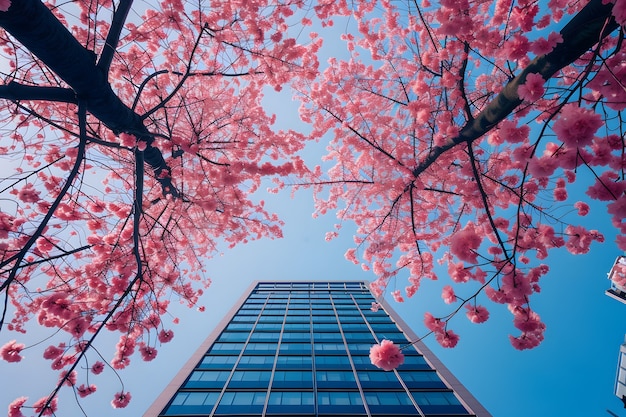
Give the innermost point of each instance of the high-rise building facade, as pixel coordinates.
(302, 349)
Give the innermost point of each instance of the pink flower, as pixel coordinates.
(28, 194)
(447, 339)
(128, 140)
(532, 89)
(477, 314)
(544, 46)
(77, 327)
(60, 362)
(43, 409)
(165, 336)
(4, 5)
(15, 408)
(526, 320)
(69, 379)
(465, 243)
(411, 290)
(386, 355)
(148, 353)
(375, 306)
(121, 399)
(560, 194)
(397, 296)
(577, 126)
(433, 324)
(10, 352)
(583, 208)
(85, 390)
(97, 368)
(448, 295)
(52, 352)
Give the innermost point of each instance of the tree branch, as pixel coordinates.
(15, 91)
(113, 37)
(592, 24)
(35, 27)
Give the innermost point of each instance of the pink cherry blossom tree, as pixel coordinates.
(458, 131)
(133, 140)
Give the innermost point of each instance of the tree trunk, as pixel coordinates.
(35, 27)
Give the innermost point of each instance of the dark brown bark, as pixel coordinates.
(32, 24)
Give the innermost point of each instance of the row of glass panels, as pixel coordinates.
(396, 402)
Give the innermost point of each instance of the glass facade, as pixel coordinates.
(301, 349)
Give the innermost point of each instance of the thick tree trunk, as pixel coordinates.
(35, 27)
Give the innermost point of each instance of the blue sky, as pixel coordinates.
(571, 373)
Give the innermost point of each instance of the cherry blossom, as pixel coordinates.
(148, 353)
(386, 355)
(433, 324)
(121, 400)
(465, 243)
(97, 368)
(447, 338)
(165, 336)
(448, 295)
(532, 89)
(85, 390)
(10, 351)
(46, 407)
(15, 408)
(477, 314)
(4, 5)
(576, 126)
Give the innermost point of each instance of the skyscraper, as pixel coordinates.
(301, 349)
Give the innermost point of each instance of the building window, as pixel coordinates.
(327, 337)
(269, 326)
(334, 376)
(330, 361)
(260, 347)
(256, 360)
(360, 347)
(218, 360)
(192, 403)
(338, 398)
(239, 326)
(377, 376)
(251, 376)
(233, 337)
(209, 376)
(435, 398)
(263, 336)
(286, 376)
(332, 347)
(243, 398)
(226, 347)
(297, 326)
(303, 336)
(289, 361)
(388, 398)
(354, 336)
(291, 398)
(423, 376)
